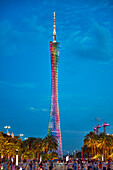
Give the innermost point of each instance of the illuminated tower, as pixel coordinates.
(54, 121)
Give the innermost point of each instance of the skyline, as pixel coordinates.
(85, 83)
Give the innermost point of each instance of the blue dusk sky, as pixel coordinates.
(85, 76)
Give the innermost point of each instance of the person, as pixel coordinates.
(5, 165)
(34, 164)
(90, 165)
(100, 165)
(40, 167)
(51, 166)
(75, 165)
(24, 165)
(108, 166)
(46, 165)
(82, 165)
(9, 165)
(84, 168)
(1, 165)
(30, 165)
(104, 165)
(13, 167)
(95, 166)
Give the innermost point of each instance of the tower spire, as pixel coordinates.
(54, 30)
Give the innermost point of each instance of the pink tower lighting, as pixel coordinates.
(98, 126)
(104, 125)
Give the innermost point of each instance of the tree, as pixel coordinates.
(98, 144)
(37, 146)
(104, 143)
(50, 143)
(28, 150)
(8, 145)
(29, 147)
(91, 142)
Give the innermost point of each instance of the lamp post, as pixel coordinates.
(67, 157)
(25, 138)
(7, 127)
(21, 135)
(16, 157)
(21, 139)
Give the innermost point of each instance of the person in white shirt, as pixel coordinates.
(104, 165)
(46, 165)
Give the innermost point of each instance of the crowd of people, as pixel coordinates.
(26, 165)
(7, 165)
(51, 165)
(90, 165)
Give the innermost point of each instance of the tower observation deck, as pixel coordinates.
(54, 121)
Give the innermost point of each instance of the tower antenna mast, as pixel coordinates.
(54, 30)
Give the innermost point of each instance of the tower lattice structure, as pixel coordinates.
(54, 121)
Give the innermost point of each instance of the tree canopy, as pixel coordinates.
(101, 144)
(29, 148)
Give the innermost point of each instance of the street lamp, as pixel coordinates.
(25, 138)
(21, 135)
(67, 157)
(16, 157)
(7, 127)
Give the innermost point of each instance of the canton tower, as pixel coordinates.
(54, 121)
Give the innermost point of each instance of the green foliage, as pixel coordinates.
(98, 156)
(50, 143)
(52, 155)
(111, 156)
(8, 145)
(38, 146)
(29, 148)
(98, 145)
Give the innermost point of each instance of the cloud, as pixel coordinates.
(98, 119)
(44, 110)
(34, 109)
(17, 85)
(32, 23)
(14, 41)
(95, 44)
(7, 47)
